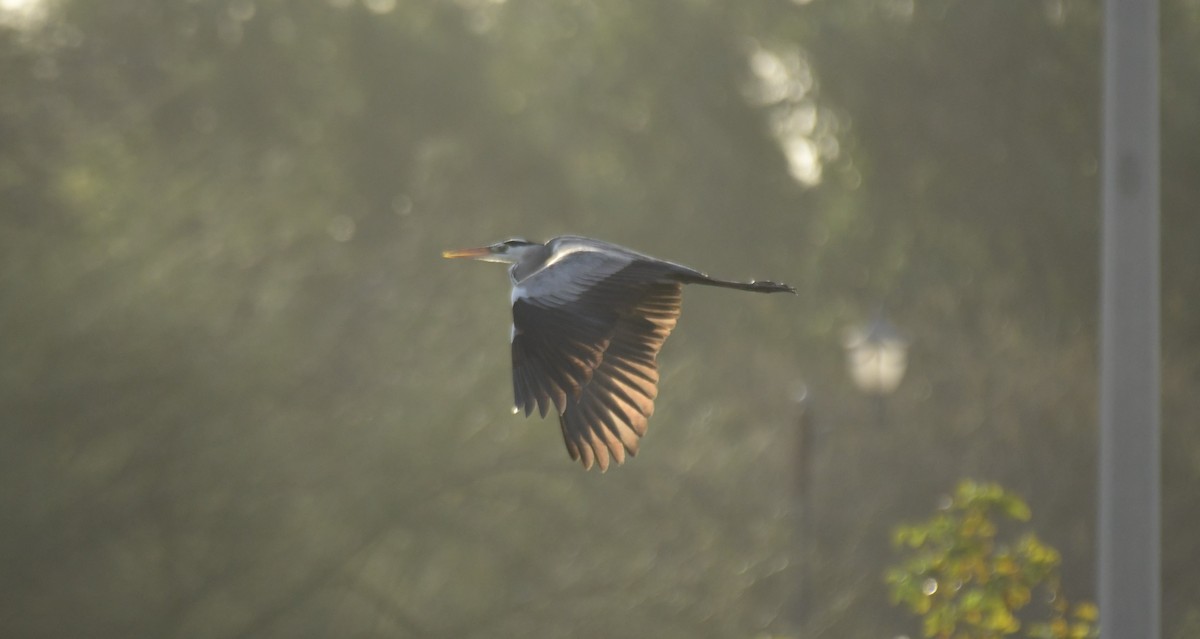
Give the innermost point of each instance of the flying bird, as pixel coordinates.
(589, 318)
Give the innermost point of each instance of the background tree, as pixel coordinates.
(965, 575)
(242, 396)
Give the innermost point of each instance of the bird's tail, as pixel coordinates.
(754, 286)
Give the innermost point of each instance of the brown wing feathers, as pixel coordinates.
(594, 359)
(613, 409)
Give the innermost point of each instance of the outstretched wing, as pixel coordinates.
(610, 415)
(586, 333)
(554, 352)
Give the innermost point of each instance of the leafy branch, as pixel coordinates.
(968, 581)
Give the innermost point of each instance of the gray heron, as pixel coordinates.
(589, 318)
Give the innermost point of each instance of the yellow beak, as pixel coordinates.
(470, 252)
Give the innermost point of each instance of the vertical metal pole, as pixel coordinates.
(1130, 502)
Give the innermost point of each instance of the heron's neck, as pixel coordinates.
(534, 258)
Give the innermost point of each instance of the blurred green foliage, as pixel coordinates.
(241, 395)
(968, 578)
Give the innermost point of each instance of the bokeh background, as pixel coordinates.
(242, 396)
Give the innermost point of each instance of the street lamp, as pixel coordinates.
(877, 355)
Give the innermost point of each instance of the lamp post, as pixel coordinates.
(805, 441)
(878, 356)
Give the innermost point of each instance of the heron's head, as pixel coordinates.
(509, 251)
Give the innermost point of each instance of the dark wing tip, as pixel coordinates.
(767, 286)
